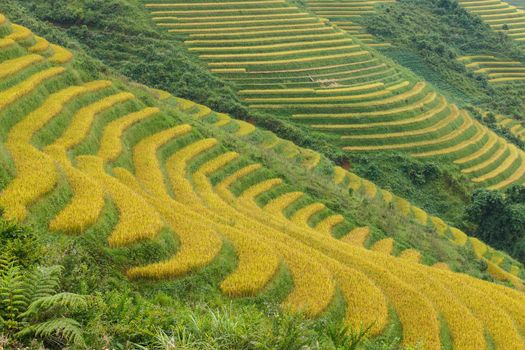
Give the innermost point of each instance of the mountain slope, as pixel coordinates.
(88, 148)
(308, 72)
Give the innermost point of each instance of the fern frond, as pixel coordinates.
(62, 328)
(63, 301)
(44, 282)
(13, 291)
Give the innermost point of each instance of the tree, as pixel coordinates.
(499, 219)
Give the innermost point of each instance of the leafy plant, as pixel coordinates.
(29, 303)
(344, 337)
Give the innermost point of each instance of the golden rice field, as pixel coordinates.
(344, 14)
(345, 180)
(500, 16)
(293, 64)
(496, 70)
(74, 133)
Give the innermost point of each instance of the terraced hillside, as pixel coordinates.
(83, 148)
(500, 16)
(497, 70)
(290, 63)
(344, 15)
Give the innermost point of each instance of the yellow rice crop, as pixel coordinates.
(301, 216)
(277, 205)
(196, 251)
(433, 128)
(460, 237)
(183, 104)
(212, 4)
(387, 196)
(350, 88)
(402, 205)
(418, 88)
(24, 130)
(288, 61)
(370, 189)
(2, 19)
(35, 176)
(354, 181)
(14, 93)
(320, 291)
(6, 43)
(19, 33)
(339, 175)
(87, 202)
(320, 99)
(61, 55)
(440, 226)
(492, 139)
(513, 156)
(429, 98)
(477, 137)
(479, 247)
(497, 321)
(420, 215)
(327, 225)
(222, 120)
(137, 219)
(257, 260)
(500, 151)
(511, 179)
(411, 255)
(83, 119)
(244, 128)
(41, 45)
(441, 266)
(228, 70)
(176, 166)
(160, 94)
(357, 236)
(36, 172)
(467, 124)
(264, 39)
(111, 142)
(312, 158)
(267, 47)
(147, 164)
(277, 53)
(10, 67)
(277, 91)
(259, 30)
(384, 246)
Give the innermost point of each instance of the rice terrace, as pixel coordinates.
(262, 174)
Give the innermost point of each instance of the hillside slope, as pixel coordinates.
(79, 154)
(290, 63)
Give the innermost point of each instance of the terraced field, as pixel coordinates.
(110, 151)
(497, 70)
(290, 63)
(345, 13)
(500, 16)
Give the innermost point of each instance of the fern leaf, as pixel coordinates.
(63, 301)
(62, 328)
(44, 282)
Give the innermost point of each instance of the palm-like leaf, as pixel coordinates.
(65, 329)
(63, 301)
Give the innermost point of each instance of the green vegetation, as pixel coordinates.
(498, 219)
(121, 37)
(438, 33)
(152, 222)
